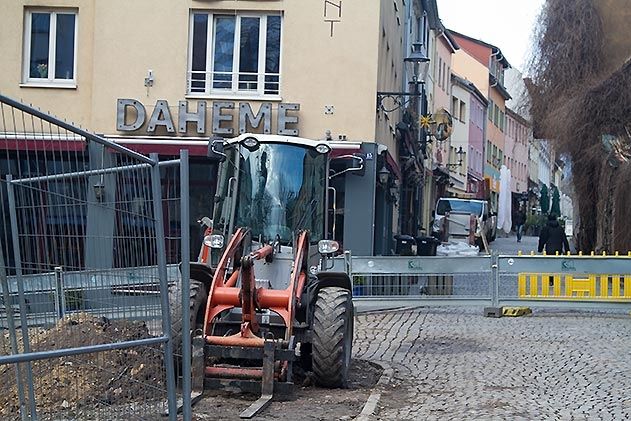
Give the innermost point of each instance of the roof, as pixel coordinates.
(449, 39)
(494, 83)
(436, 24)
(470, 86)
(517, 117)
(494, 49)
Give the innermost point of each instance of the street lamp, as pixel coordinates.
(416, 68)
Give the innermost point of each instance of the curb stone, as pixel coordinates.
(371, 404)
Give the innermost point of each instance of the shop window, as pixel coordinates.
(234, 54)
(50, 42)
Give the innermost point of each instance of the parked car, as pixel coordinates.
(480, 208)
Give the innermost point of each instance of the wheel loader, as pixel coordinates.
(264, 298)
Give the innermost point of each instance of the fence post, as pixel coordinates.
(495, 269)
(164, 286)
(60, 296)
(18, 276)
(6, 297)
(494, 310)
(186, 286)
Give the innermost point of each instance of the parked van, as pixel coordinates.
(479, 208)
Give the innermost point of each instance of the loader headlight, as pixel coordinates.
(214, 241)
(251, 143)
(328, 246)
(323, 148)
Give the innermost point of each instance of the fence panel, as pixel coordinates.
(83, 273)
(442, 280)
(574, 281)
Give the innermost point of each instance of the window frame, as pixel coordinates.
(234, 92)
(50, 81)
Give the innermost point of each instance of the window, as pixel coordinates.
(422, 33)
(454, 106)
(490, 111)
(50, 47)
(234, 54)
(463, 111)
(448, 84)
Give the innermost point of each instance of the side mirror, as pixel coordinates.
(215, 150)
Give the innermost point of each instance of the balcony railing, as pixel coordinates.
(232, 83)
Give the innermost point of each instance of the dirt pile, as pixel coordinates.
(88, 380)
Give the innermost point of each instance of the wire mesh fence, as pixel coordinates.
(87, 250)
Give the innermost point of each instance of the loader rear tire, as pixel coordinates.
(332, 336)
(197, 306)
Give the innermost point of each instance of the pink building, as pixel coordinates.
(516, 150)
(477, 106)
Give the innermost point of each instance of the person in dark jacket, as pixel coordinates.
(520, 220)
(553, 237)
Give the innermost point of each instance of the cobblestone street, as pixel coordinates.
(457, 364)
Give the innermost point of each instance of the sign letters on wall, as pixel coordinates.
(131, 116)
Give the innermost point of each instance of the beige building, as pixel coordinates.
(156, 75)
(111, 48)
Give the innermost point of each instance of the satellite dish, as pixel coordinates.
(443, 125)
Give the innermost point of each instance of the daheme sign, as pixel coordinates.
(131, 115)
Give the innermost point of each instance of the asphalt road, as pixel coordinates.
(509, 245)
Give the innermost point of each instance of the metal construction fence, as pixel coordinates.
(85, 268)
(576, 282)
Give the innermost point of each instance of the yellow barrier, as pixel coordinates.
(603, 287)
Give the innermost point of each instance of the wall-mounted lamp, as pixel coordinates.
(460, 154)
(384, 175)
(416, 68)
(394, 191)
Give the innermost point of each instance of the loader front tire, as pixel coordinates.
(197, 306)
(332, 336)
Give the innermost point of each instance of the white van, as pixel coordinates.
(456, 206)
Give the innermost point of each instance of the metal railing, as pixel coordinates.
(84, 279)
(207, 83)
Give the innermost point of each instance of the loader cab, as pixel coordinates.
(274, 185)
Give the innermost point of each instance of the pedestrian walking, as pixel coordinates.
(520, 220)
(553, 238)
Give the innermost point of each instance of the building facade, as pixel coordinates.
(516, 150)
(493, 60)
(475, 104)
(198, 69)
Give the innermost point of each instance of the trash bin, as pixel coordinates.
(404, 245)
(426, 246)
